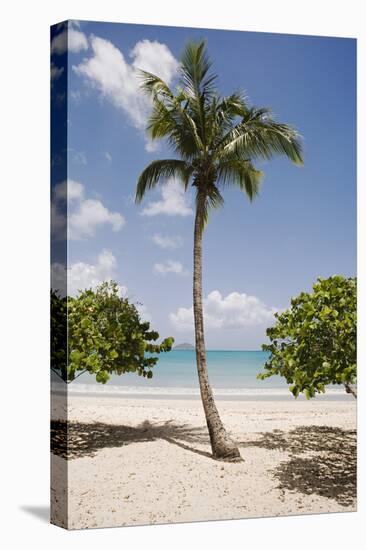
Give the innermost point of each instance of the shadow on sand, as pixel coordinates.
(321, 459)
(327, 467)
(76, 440)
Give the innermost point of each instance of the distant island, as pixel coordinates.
(184, 346)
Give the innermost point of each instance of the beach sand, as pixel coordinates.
(147, 461)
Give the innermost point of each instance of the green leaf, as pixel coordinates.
(105, 335)
(313, 343)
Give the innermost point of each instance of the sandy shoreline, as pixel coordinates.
(146, 461)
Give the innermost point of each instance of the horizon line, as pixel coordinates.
(221, 349)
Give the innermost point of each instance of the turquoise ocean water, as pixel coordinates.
(233, 375)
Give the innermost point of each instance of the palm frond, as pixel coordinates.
(212, 199)
(223, 113)
(240, 173)
(194, 69)
(216, 138)
(168, 117)
(258, 135)
(159, 171)
(198, 84)
(173, 122)
(153, 85)
(234, 105)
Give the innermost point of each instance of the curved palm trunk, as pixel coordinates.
(222, 446)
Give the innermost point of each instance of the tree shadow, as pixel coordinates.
(76, 439)
(329, 471)
(322, 459)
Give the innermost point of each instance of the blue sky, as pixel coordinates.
(256, 255)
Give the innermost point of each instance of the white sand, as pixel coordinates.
(137, 461)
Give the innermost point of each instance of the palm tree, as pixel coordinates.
(215, 141)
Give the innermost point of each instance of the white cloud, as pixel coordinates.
(77, 41)
(117, 80)
(233, 311)
(58, 222)
(56, 72)
(175, 201)
(155, 58)
(71, 39)
(85, 216)
(169, 266)
(108, 72)
(70, 190)
(166, 241)
(108, 156)
(81, 275)
(89, 215)
(59, 43)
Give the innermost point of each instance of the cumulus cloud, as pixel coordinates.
(70, 190)
(81, 275)
(108, 71)
(56, 72)
(89, 215)
(175, 201)
(169, 266)
(58, 222)
(77, 41)
(166, 241)
(85, 215)
(70, 38)
(155, 58)
(232, 311)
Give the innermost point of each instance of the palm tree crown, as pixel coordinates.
(216, 139)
